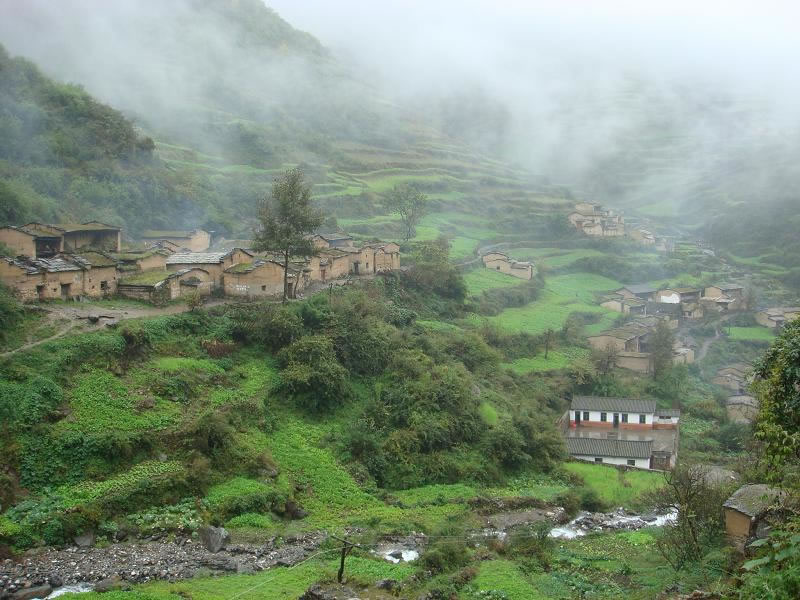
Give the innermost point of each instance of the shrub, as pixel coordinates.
(570, 501)
(445, 556)
(505, 445)
(312, 375)
(27, 404)
(266, 325)
(590, 500)
(239, 496)
(10, 311)
(137, 340)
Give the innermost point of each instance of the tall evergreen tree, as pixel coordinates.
(286, 219)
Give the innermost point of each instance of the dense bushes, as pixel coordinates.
(312, 375)
(23, 405)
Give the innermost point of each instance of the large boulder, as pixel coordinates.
(85, 541)
(40, 591)
(115, 582)
(214, 539)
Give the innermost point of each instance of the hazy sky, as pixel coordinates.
(753, 43)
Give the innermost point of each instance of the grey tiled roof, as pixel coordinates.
(668, 412)
(641, 288)
(622, 405)
(587, 446)
(753, 500)
(199, 258)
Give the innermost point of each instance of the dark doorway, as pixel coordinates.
(577, 417)
(355, 268)
(616, 419)
(290, 290)
(65, 291)
(40, 291)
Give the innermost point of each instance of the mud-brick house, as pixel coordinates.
(263, 277)
(631, 337)
(497, 261)
(594, 220)
(337, 239)
(214, 263)
(665, 243)
(626, 306)
(621, 431)
(63, 276)
(644, 292)
(142, 260)
(734, 377)
(678, 295)
(747, 513)
(741, 408)
(38, 240)
(385, 256)
(331, 263)
(195, 240)
(723, 297)
(777, 317)
(161, 286)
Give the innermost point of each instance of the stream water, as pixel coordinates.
(619, 520)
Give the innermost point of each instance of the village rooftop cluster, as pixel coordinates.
(69, 261)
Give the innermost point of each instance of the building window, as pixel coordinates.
(498, 268)
(103, 285)
(642, 419)
(603, 417)
(631, 462)
(624, 417)
(598, 459)
(586, 415)
(263, 288)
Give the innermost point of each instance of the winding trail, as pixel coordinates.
(63, 331)
(701, 354)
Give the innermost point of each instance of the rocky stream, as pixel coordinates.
(49, 572)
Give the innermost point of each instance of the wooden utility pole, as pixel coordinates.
(347, 548)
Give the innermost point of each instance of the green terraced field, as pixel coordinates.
(755, 333)
(613, 490)
(481, 279)
(556, 359)
(563, 295)
(552, 257)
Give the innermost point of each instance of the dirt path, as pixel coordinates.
(701, 354)
(63, 331)
(80, 315)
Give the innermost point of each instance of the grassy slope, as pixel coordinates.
(563, 295)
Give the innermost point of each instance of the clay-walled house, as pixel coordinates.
(196, 240)
(775, 318)
(262, 277)
(142, 260)
(38, 240)
(497, 261)
(214, 263)
(63, 276)
(595, 220)
(747, 513)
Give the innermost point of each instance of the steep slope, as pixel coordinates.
(65, 156)
(232, 94)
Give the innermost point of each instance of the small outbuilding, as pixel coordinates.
(745, 511)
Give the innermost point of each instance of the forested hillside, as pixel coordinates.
(67, 157)
(249, 96)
